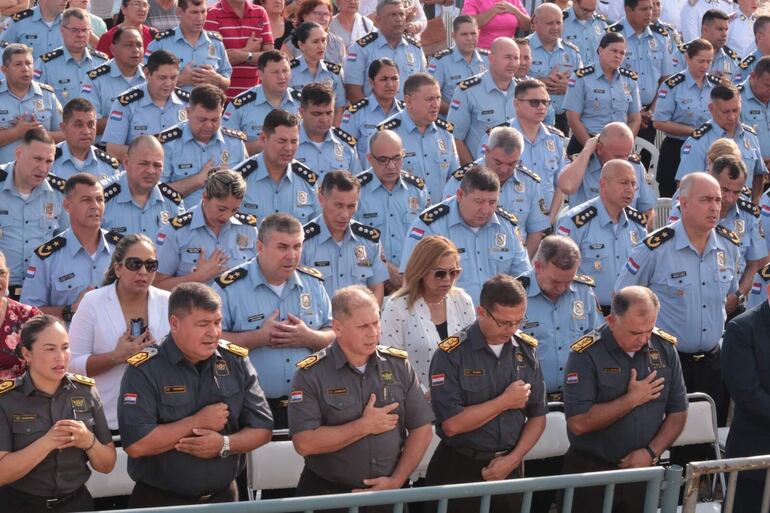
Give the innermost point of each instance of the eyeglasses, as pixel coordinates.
(76, 31)
(441, 274)
(535, 102)
(384, 161)
(134, 264)
(503, 324)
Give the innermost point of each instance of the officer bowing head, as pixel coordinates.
(501, 309)
(556, 264)
(478, 196)
(616, 141)
(195, 319)
(632, 318)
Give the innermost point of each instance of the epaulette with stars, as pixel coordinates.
(659, 29)
(163, 34)
(107, 158)
(731, 53)
(46, 87)
(659, 237)
(675, 80)
(26, 13)
(181, 221)
(98, 72)
(83, 380)
(333, 67)
(634, 158)
(564, 14)
(504, 124)
(446, 125)
(213, 34)
(244, 98)
(521, 168)
(628, 73)
(442, 53)
(434, 213)
(227, 278)
(508, 216)
(53, 54)
(311, 229)
(716, 80)
(247, 219)
(247, 167)
(3, 173)
(749, 207)
(311, 271)
(99, 54)
(360, 104)
(636, 216)
(237, 134)
(469, 82)
(524, 280)
(311, 360)
(584, 342)
(728, 234)
(668, 337)
(764, 272)
(345, 136)
(749, 128)
(582, 218)
(615, 27)
(526, 338)
(412, 40)
(683, 47)
(304, 172)
(295, 93)
(8, 385)
(47, 249)
(170, 134)
(113, 237)
(582, 72)
(413, 180)
(570, 44)
(367, 232)
(459, 173)
(56, 182)
(701, 130)
(364, 178)
(130, 96)
(584, 279)
(748, 61)
(182, 95)
(169, 192)
(368, 38)
(137, 359)
(449, 344)
(58, 153)
(555, 130)
(600, 17)
(111, 191)
(389, 124)
(293, 63)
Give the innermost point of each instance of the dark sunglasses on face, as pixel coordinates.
(134, 264)
(535, 103)
(440, 274)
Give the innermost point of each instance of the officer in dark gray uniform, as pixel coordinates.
(488, 394)
(190, 409)
(624, 398)
(356, 386)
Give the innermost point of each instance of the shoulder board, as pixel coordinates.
(111, 191)
(731, 53)
(675, 80)
(142, 356)
(368, 38)
(244, 98)
(130, 96)
(311, 229)
(311, 360)
(99, 54)
(668, 337)
(728, 234)
(582, 218)
(49, 248)
(716, 81)
(636, 216)
(749, 128)
(293, 63)
(228, 278)
(163, 34)
(527, 171)
(659, 29)
(459, 173)
(107, 158)
(628, 73)
(683, 47)
(213, 34)
(345, 136)
(434, 213)
(171, 134)
(449, 344)
(701, 130)
(311, 271)
(46, 87)
(503, 124)
(234, 348)
(393, 351)
(764, 272)
(304, 172)
(247, 219)
(83, 380)
(635, 158)
(56, 182)
(748, 61)
(527, 339)
(508, 216)
(400, 103)
(616, 27)
(333, 67)
(585, 342)
(7, 385)
(234, 133)
(182, 95)
(295, 93)
(360, 104)
(412, 41)
(659, 237)
(585, 71)
(554, 130)
(446, 125)
(469, 82)
(570, 44)
(365, 177)
(180, 221)
(745, 190)
(113, 237)
(3, 174)
(600, 17)
(442, 53)
(749, 207)
(390, 124)
(584, 279)
(413, 180)
(26, 13)
(524, 280)
(49, 56)
(564, 14)
(169, 192)
(58, 153)
(365, 231)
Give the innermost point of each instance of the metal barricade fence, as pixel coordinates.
(732, 466)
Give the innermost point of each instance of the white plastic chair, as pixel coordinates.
(554, 441)
(644, 145)
(114, 484)
(662, 210)
(422, 467)
(273, 466)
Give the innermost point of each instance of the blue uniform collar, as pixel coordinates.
(9, 186)
(376, 183)
(454, 217)
(534, 290)
(477, 340)
(202, 40)
(286, 99)
(262, 173)
(74, 246)
(147, 99)
(382, 41)
(534, 42)
(125, 192)
(409, 125)
(258, 279)
(66, 154)
(325, 234)
(542, 132)
(374, 106)
(187, 135)
(115, 71)
(328, 137)
(489, 84)
(37, 15)
(34, 89)
(748, 93)
(681, 240)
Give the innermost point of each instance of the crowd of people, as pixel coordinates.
(219, 220)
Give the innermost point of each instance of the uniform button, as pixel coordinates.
(287, 360)
(704, 329)
(558, 348)
(288, 381)
(561, 368)
(557, 327)
(704, 306)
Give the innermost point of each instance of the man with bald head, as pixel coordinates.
(580, 179)
(624, 398)
(606, 228)
(692, 264)
(553, 58)
(485, 100)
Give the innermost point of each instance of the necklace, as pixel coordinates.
(436, 302)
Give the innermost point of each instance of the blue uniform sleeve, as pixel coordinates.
(379, 270)
(89, 92)
(451, 187)
(168, 250)
(574, 99)
(168, 161)
(580, 384)
(116, 131)
(693, 158)
(638, 269)
(520, 261)
(232, 117)
(636, 102)
(536, 220)
(666, 104)
(339, 92)
(355, 74)
(355, 165)
(10, 33)
(225, 68)
(325, 307)
(36, 288)
(349, 124)
(646, 199)
(460, 115)
(227, 316)
(757, 248)
(417, 230)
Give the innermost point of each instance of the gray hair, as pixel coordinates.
(74, 12)
(381, 4)
(280, 222)
(346, 299)
(507, 138)
(634, 295)
(558, 250)
(15, 49)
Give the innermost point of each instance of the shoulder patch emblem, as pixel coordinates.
(393, 351)
(45, 87)
(182, 95)
(304, 172)
(582, 72)
(333, 67)
(360, 104)
(247, 219)
(764, 272)
(555, 130)
(585, 342)
(749, 207)
(582, 218)
(460, 171)
(748, 61)
(180, 221)
(49, 248)
(142, 356)
(56, 182)
(311, 230)
(169, 135)
(130, 97)
(214, 35)
(617, 27)
(49, 56)
(434, 213)
(169, 192)
(701, 130)
(675, 80)
(6, 385)
(628, 73)
(83, 380)
(365, 177)
(234, 133)
(585, 280)
(469, 82)
(412, 41)
(728, 234)
(450, 344)
(234, 348)
(365, 231)
(244, 98)
(99, 54)
(446, 125)
(527, 171)
(228, 278)
(345, 136)
(368, 38)
(659, 237)
(26, 13)
(659, 29)
(508, 216)
(668, 337)
(636, 216)
(527, 339)
(111, 191)
(113, 237)
(390, 124)
(107, 158)
(311, 271)
(163, 34)
(442, 53)
(413, 180)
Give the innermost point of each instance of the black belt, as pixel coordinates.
(278, 402)
(48, 502)
(198, 498)
(554, 397)
(700, 356)
(478, 455)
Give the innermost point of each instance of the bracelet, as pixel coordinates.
(93, 442)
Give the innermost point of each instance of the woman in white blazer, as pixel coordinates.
(428, 307)
(100, 332)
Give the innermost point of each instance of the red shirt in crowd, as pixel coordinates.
(106, 39)
(235, 33)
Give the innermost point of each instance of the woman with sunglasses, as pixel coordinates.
(428, 307)
(122, 317)
(602, 93)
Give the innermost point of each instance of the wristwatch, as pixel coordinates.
(249, 57)
(224, 452)
(652, 454)
(66, 313)
(741, 297)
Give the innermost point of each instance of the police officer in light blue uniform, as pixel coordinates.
(606, 229)
(758, 293)
(725, 61)
(755, 95)
(360, 119)
(345, 251)
(561, 306)
(270, 292)
(309, 67)
(390, 198)
(584, 29)
(210, 237)
(486, 237)
(715, 25)
(39, 28)
(97, 162)
(747, 65)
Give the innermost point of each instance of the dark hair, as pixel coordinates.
(316, 94)
(74, 12)
(302, 32)
(521, 41)
(731, 164)
(160, 58)
(81, 178)
(207, 96)
(501, 289)
(276, 118)
(378, 64)
(762, 66)
(714, 14)
(122, 30)
(119, 254)
(190, 296)
(527, 84)
(37, 134)
(611, 38)
(76, 105)
(724, 92)
(630, 4)
(558, 250)
(15, 49)
(280, 222)
(463, 18)
(698, 45)
(269, 56)
(184, 4)
(628, 296)
(31, 329)
(760, 23)
(341, 180)
(416, 81)
(480, 178)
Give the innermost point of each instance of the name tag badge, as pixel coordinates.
(66, 277)
(24, 417)
(337, 391)
(256, 317)
(175, 389)
(473, 372)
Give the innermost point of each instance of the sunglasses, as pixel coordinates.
(440, 274)
(535, 103)
(134, 264)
